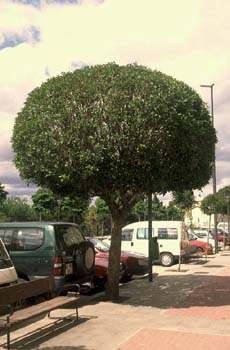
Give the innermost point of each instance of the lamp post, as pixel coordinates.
(214, 166)
(150, 218)
(227, 198)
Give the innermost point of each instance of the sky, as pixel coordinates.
(187, 39)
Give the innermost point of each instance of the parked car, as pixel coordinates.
(8, 274)
(131, 263)
(172, 240)
(199, 246)
(220, 234)
(50, 249)
(204, 238)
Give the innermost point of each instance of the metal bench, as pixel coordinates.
(19, 292)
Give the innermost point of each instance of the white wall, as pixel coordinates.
(198, 219)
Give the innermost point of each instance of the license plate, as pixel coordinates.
(69, 269)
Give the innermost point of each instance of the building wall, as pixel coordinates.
(198, 219)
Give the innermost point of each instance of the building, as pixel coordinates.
(197, 219)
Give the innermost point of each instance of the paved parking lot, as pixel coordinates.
(191, 304)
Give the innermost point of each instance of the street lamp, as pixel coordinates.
(227, 198)
(150, 243)
(213, 167)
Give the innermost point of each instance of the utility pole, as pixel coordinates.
(150, 241)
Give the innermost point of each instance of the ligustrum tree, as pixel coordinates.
(210, 204)
(115, 132)
(184, 201)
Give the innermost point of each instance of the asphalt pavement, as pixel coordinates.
(182, 309)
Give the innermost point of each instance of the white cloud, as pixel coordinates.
(16, 19)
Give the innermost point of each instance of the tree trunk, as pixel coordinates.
(112, 286)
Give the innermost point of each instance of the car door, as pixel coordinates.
(127, 237)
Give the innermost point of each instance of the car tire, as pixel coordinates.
(84, 258)
(124, 276)
(166, 259)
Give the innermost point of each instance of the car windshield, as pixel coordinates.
(99, 245)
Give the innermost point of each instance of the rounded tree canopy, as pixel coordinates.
(114, 128)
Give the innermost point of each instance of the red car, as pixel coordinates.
(131, 263)
(199, 246)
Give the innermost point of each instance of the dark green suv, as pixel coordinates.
(50, 249)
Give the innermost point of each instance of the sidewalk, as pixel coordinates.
(177, 310)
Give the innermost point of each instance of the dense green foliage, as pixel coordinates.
(16, 209)
(97, 219)
(159, 211)
(218, 203)
(223, 200)
(99, 128)
(49, 206)
(184, 200)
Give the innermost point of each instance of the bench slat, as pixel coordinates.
(24, 290)
(45, 306)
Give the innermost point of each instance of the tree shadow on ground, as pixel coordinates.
(175, 290)
(178, 291)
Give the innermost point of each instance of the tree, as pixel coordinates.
(140, 209)
(158, 210)
(97, 130)
(184, 201)
(209, 204)
(44, 203)
(48, 205)
(16, 209)
(90, 223)
(222, 200)
(73, 209)
(173, 213)
(3, 193)
(103, 214)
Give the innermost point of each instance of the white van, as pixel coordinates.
(8, 274)
(171, 235)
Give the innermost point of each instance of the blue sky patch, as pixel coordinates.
(12, 40)
(37, 3)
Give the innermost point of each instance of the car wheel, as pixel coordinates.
(166, 259)
(84, 258)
